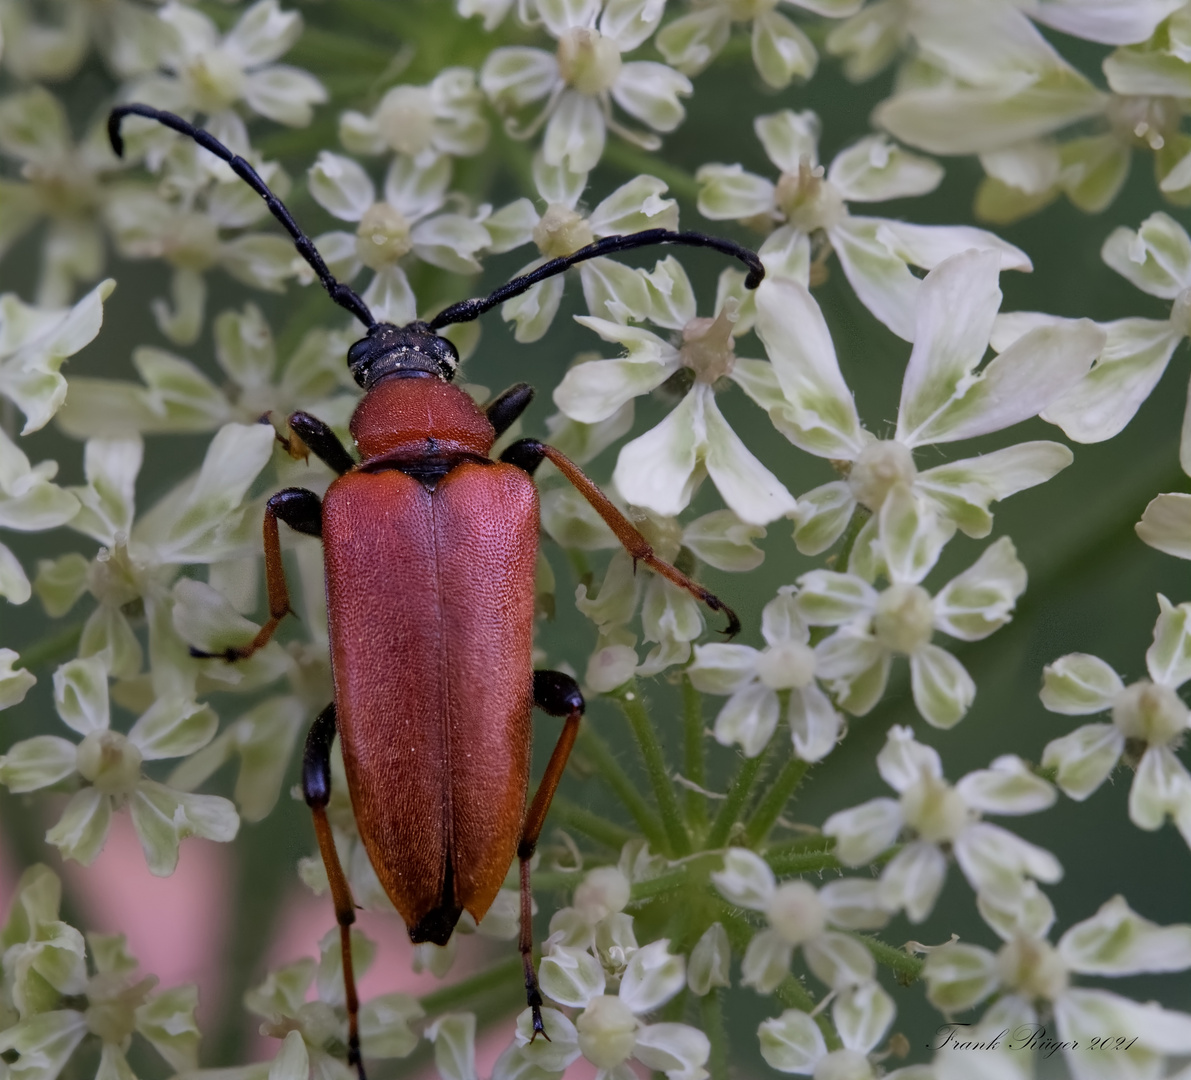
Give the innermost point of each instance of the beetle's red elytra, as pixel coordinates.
(430, 548)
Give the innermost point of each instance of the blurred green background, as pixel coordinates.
(1092, 582)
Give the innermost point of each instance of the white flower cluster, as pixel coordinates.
(529, 129)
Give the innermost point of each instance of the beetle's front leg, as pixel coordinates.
(316, 787)
(558, 695)
(527, 454)
(302, 511)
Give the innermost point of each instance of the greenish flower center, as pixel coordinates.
(808, 200)
(935, 810)
(708, 347)
(607, 1032)
(879, 467)
(1152, 713)
(561, 230)
(110, 762)
(113, 1003)
(904, 619)
(796, 912)
(1032, 968)
(383, 236)
(405, 119)
(588, 61)
(1148, 122)
(216, 80)
(786, 665)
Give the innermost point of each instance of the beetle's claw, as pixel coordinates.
(716, 604)
(538, 1027)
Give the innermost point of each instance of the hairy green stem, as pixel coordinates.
(907, 968)
(633, 707)
(711, 1010)
(694, 762)
(622, 787)
(807, 862)
(859, 516)
(774, 801)
(566, 813)
(738, 793)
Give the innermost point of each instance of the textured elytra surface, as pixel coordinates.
(430, 598)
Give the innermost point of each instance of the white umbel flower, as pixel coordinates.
(946, 397)
(1101, 1035)
(875, 253)
(661, 469)
(611, 289)
(781, 51)
(756, 679)
(109, 764)
(876, 625)
(423, 122)
(411, 219)
(936, 815)
(800, 917)
(584, 77)
(1149, 724)
(1157, 259)
(210, 73)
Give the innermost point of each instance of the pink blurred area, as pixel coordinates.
(177, 928)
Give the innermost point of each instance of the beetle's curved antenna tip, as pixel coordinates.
(114, 136)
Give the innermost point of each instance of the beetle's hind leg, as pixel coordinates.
(302, 511)
(527, 454)
(558, 695)
(316, 787)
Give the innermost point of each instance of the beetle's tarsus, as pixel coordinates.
(538, 1027)
(230, 655)
(354, 1060)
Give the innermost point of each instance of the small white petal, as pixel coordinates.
(1161, 788)
(650, 92)
(862, 1015)
(839, 960)
(1135, 354)
(864, 831)
(1083, 760)
(913, 880)
(1006, 787)
(903, 761)
(792, 1043)
(1118, 941)
(980, 600)
(575, 133)
(653, 976)
(746, 879)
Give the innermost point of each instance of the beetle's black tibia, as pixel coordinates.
(503, 411)
(556, 693)
(414, 349)
(316, 787)
(316, 759)
(526, 454)
(322, 441)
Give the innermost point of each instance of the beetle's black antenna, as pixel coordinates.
(466, 310)
(344, 296)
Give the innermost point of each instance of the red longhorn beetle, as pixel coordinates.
(430, 548)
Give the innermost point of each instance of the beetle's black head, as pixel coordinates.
(390, 349)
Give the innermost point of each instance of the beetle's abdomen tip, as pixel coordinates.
(436, 926)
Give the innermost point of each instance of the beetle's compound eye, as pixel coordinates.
(401, 350)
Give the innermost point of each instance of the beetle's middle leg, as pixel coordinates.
(558, 695)
(316, 787)
(302, 511)
(527, 454)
